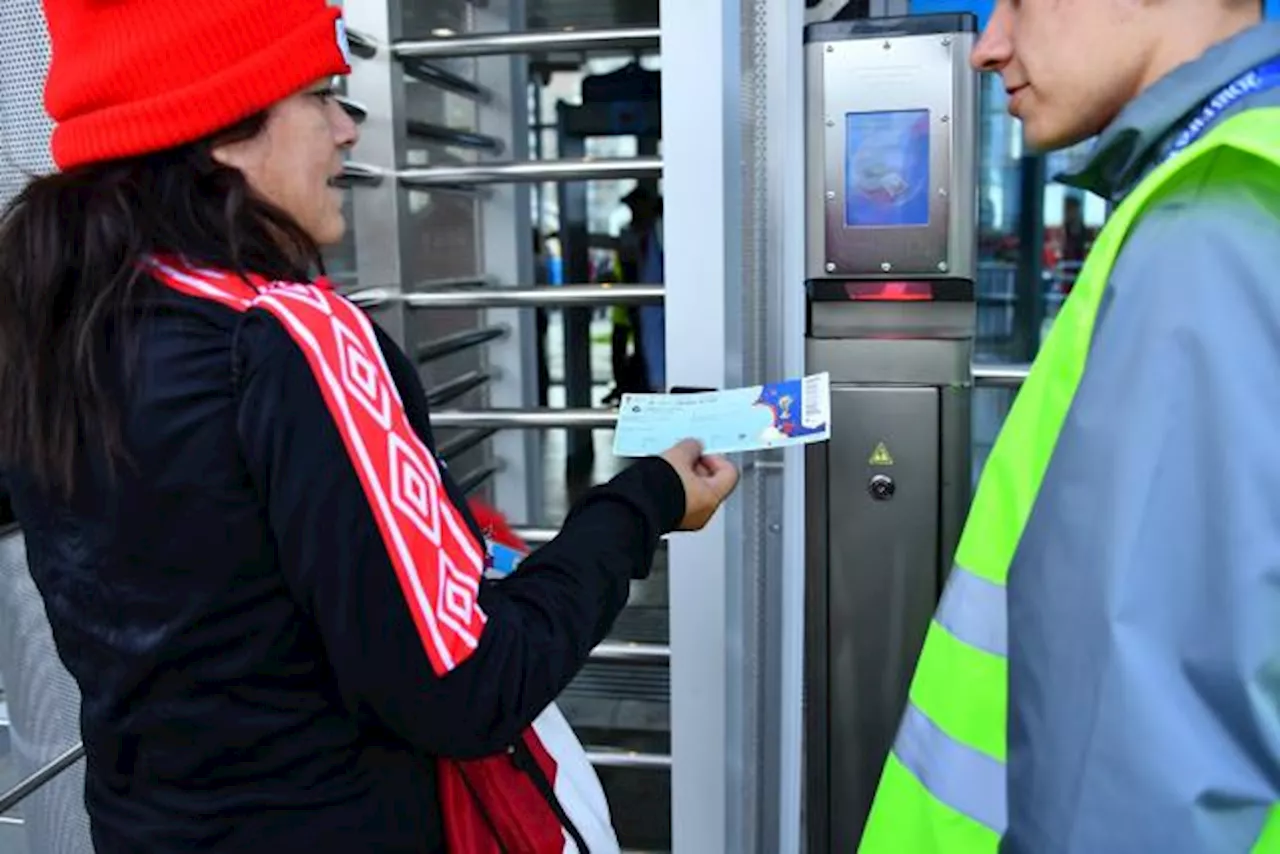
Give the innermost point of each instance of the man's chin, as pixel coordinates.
(1041, 135)
(1038, 139)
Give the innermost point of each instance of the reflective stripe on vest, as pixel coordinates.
(944, 787)
(967, 780)
(973, 609)
(974, 613)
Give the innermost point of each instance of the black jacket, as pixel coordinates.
(252, 679)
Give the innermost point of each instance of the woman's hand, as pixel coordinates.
(708, 481)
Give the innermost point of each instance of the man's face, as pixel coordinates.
(1069, 66)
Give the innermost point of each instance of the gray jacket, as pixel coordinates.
(1144, 599)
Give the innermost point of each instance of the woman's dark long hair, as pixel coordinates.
(71, 249)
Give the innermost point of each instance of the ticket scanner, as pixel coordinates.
(891, 172)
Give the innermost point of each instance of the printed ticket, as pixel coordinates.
(775, 415)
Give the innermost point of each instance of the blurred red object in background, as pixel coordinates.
(495, 526)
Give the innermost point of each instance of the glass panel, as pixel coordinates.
(1072, 219)
(1001, 259)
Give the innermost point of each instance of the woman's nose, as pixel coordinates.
(346, 132)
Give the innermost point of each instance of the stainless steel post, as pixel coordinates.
(891, 126)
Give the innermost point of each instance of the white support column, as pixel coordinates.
(380, 214)
(702, 143)
(784, 722)
(506, 247)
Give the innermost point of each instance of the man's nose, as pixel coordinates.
(994, 47)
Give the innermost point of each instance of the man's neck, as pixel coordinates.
(1193, 34)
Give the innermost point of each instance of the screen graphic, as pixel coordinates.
(886, 169)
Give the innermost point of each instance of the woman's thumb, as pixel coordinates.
(686, 451)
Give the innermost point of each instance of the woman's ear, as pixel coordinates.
(241, 154)
(226, 155)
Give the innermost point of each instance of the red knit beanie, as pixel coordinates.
(129, 77)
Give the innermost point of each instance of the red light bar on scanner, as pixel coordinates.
(889, 291)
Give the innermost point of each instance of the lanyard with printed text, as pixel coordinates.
(1258, 79)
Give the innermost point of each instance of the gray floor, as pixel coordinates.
(12, 840)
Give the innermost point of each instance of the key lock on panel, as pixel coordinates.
(891, 210)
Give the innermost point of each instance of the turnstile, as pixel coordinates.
(891, 123)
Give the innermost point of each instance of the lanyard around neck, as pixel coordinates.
(1258, 79)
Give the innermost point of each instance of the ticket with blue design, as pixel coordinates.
(774, 415)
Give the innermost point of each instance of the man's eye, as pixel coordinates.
(324, 94)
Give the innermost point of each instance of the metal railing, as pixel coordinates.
(359, 175)
(629, 759)
(444, 135)
(434, 75)
(476, 478)
(527, 419)
(461, 444)
(536, 536)
(632, 652)
(502, 44)
(543, 296)
(24, 788)
(362, 46)
(1000, 376)
(459, 386)
(542, 536)
(468, 177)
(356, 110)
(356, 174)
(533, 171)
(452, 282)
(456, 342)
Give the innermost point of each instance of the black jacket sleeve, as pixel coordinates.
(541, 622)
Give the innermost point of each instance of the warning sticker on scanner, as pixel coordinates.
(775, 415)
